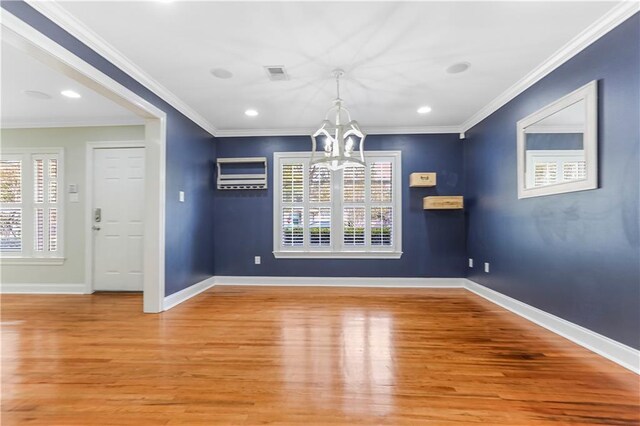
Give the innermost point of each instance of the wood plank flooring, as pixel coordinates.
(313, 356)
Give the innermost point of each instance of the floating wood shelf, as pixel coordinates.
(422, 180)
(449, 202)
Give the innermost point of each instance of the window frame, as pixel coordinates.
(337, 250)
(28, 255)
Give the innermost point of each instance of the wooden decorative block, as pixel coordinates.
(449, 202)
(422, 179)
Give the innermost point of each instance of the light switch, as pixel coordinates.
(257, 260)
(181, 196)
(73, 188)
(486, 267)
(470, 263)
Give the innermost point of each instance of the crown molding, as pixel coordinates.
(76, 28)
(232, 133)
(61, 17)
(599, 28)
(80, 122)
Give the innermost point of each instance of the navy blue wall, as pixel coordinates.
(574, 255)
(433, 242)
(190, 153)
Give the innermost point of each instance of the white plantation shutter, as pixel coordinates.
(381, 180)
(354, 184)
(319, 209)
(545, 173)
(381, 226)
(320, 226)
(347, 213)
(31, 208)
(381, 203)
(354, 226)
(292, 183)
(320, 186)
(292, 226)
(574, 170)
(11, 205)
(10, 229)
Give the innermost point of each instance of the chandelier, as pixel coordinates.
(342, 144)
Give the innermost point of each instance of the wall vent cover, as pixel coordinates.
(276, 72)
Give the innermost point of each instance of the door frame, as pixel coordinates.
(29, 40)
(88, 211)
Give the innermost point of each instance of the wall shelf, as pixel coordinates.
(226, 181)
(448, 202)
(417, 180)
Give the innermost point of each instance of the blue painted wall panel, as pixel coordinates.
(574, 255)
(433, 242)
(190, 154)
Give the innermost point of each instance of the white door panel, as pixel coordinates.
(118, 191)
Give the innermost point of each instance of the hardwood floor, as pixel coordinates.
(313, 356)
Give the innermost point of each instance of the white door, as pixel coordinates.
(117, 219)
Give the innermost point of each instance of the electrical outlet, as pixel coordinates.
(181, 196)
(470, 263)
(486, 267)
(257, 260)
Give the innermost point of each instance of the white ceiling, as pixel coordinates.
(22, 72)
(395, 55)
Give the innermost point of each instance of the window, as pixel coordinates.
(31, 208)
(351, 213)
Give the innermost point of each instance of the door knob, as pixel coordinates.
(95, 228)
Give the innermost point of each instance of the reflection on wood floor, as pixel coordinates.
(314, 356)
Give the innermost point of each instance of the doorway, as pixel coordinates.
(26, 38)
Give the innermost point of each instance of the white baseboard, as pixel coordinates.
(615, 351)
(343, 282)
(52, 288)
(186, 294)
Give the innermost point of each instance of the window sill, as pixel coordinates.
(340, 255)
(42, 261)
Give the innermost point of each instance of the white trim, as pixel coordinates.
(617, 352)
(283, 254)
(88, 122)
(337, 250)
(189, 292)
(90, 147)
(30, 288)
(230, 133)
(599, 28)
(28, 39)
(342, 282)
(587, 93)
(567, 128)
(32, 261)
(61, 17)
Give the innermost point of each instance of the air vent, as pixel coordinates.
(276, 73)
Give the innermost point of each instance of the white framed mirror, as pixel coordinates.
(558, 145)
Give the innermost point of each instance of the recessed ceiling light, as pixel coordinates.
(424, 109)
(70, 94)
(221, 73)
(35, 94)
(251, 112)
(458, 68)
